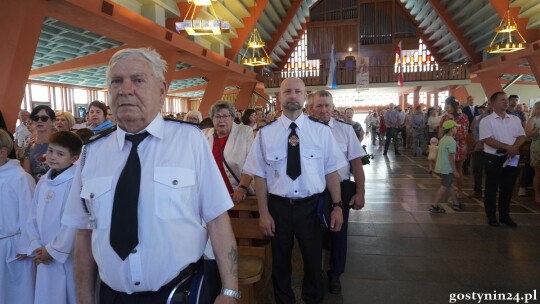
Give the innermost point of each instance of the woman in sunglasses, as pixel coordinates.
(34, 155)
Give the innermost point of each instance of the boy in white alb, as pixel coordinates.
(51, 243)
(16, 189)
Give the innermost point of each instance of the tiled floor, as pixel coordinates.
(401, 253)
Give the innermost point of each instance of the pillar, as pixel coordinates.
(214, 90)
(490, 82)
(20, 22)
(244, 96)
(416, 97)
(534, 62)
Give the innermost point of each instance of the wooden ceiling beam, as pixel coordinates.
(244, 32)
(284, 24)
(86, 62)
(463, 42)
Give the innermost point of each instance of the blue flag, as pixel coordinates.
(331, 82)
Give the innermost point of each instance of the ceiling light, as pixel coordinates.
(198, 27)
(507, 27)
(255, 47)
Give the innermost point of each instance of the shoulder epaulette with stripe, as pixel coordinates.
(343, 122)
(267, 124)
(181, 121)
(99, 135)
(316, 120)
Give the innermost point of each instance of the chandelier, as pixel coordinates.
(506, 28)
(198, 27)
(255, 47)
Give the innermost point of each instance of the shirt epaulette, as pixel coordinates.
(181, 121)
(343, 122)
(316, 120)
(267, 124)
(101, 134)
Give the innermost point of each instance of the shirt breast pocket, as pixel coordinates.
(99, 199)
(276, 159)
(312, 160)
(174, 192)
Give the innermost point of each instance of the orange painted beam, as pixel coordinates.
(217, 83)
(90, 61)
(189, 73)
(21, 23)
(117, 22)
(507, 60)
(244, 96)
(292, 46)
(534, 62)
(285, 21)
(500, 6)
(457, 32)
(489, 82)
(171, 57)
(244, 32)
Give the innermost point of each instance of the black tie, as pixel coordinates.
(124, 222)
(293, 154)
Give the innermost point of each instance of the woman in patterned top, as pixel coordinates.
(34, 155)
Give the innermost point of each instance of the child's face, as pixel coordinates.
(452, 131)
(59, 157)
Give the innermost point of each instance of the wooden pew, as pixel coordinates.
(254, 262)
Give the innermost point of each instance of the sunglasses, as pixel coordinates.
(43, 118)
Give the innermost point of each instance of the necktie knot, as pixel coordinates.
(136, 139)
(293, 126)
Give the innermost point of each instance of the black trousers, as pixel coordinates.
(478, 170)
(296, 219)
(498, 180)
(391, 134)
(110, 296)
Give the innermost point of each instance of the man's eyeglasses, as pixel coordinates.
(43, 118)
(218, 117)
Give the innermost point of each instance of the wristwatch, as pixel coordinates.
(231, 293)
(338, 204)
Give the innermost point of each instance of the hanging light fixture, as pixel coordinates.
(197, 27)
(506, 29)
(255, 47)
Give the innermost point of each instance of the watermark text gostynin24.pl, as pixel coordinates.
(478, 297)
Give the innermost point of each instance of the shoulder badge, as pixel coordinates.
(267, 124)
(101, 134)
(316, 120)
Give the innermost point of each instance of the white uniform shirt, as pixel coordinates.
(505, 130)
(348, 144)
(319, 156)
(181, 187)
(16, 277)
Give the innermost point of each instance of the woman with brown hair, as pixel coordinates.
(34, 155)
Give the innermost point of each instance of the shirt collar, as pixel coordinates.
(331, 122)
(286, 122)
(155, 128)
(506, 115)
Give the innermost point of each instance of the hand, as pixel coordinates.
(238, 195)
(20, 256)
(336, 219)
(223, 299)
(267, 225)
(357, 201)
(42, 256)
(512, 150)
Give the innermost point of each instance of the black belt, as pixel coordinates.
(294, 201)
(185, 273)
(497, 158)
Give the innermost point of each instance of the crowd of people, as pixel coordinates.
(120, 201)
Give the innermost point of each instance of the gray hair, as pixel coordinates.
(320, 93)
(222, 105)
(193, 112)
(159, 66)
